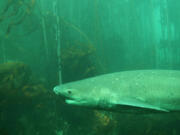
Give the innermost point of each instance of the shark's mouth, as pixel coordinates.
(68, 100)
(71, 101)
(74, 101)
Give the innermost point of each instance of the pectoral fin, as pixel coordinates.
(136, 103)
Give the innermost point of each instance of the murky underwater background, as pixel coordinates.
(81, 38)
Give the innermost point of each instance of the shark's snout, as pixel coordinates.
(56, 90)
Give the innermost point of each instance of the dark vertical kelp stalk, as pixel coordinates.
(167, 33)
(59, 50)
(3, 51)
(44, 30)
(58, 38)
(45, 37)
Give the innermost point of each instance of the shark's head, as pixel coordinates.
(75, 95)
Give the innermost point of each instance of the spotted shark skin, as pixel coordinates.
(150, 90)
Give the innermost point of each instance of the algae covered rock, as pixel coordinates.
(23, 100)
(17, 84)
(79, 60)
(13, 75)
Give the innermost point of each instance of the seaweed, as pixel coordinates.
(23, 100)
(78, 61)
(15, 12)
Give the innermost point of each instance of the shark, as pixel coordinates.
(126, 91)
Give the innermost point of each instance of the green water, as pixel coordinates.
(44, 42)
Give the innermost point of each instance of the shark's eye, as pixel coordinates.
(69, 92)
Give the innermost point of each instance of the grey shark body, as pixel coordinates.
(128, 91)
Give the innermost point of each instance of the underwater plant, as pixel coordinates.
(23, 101)
(14, 12)
(14, 15)
(77, 61)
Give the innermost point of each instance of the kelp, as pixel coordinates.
(14, 13)
(17, 84)
(22, 97)
(79, 61)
